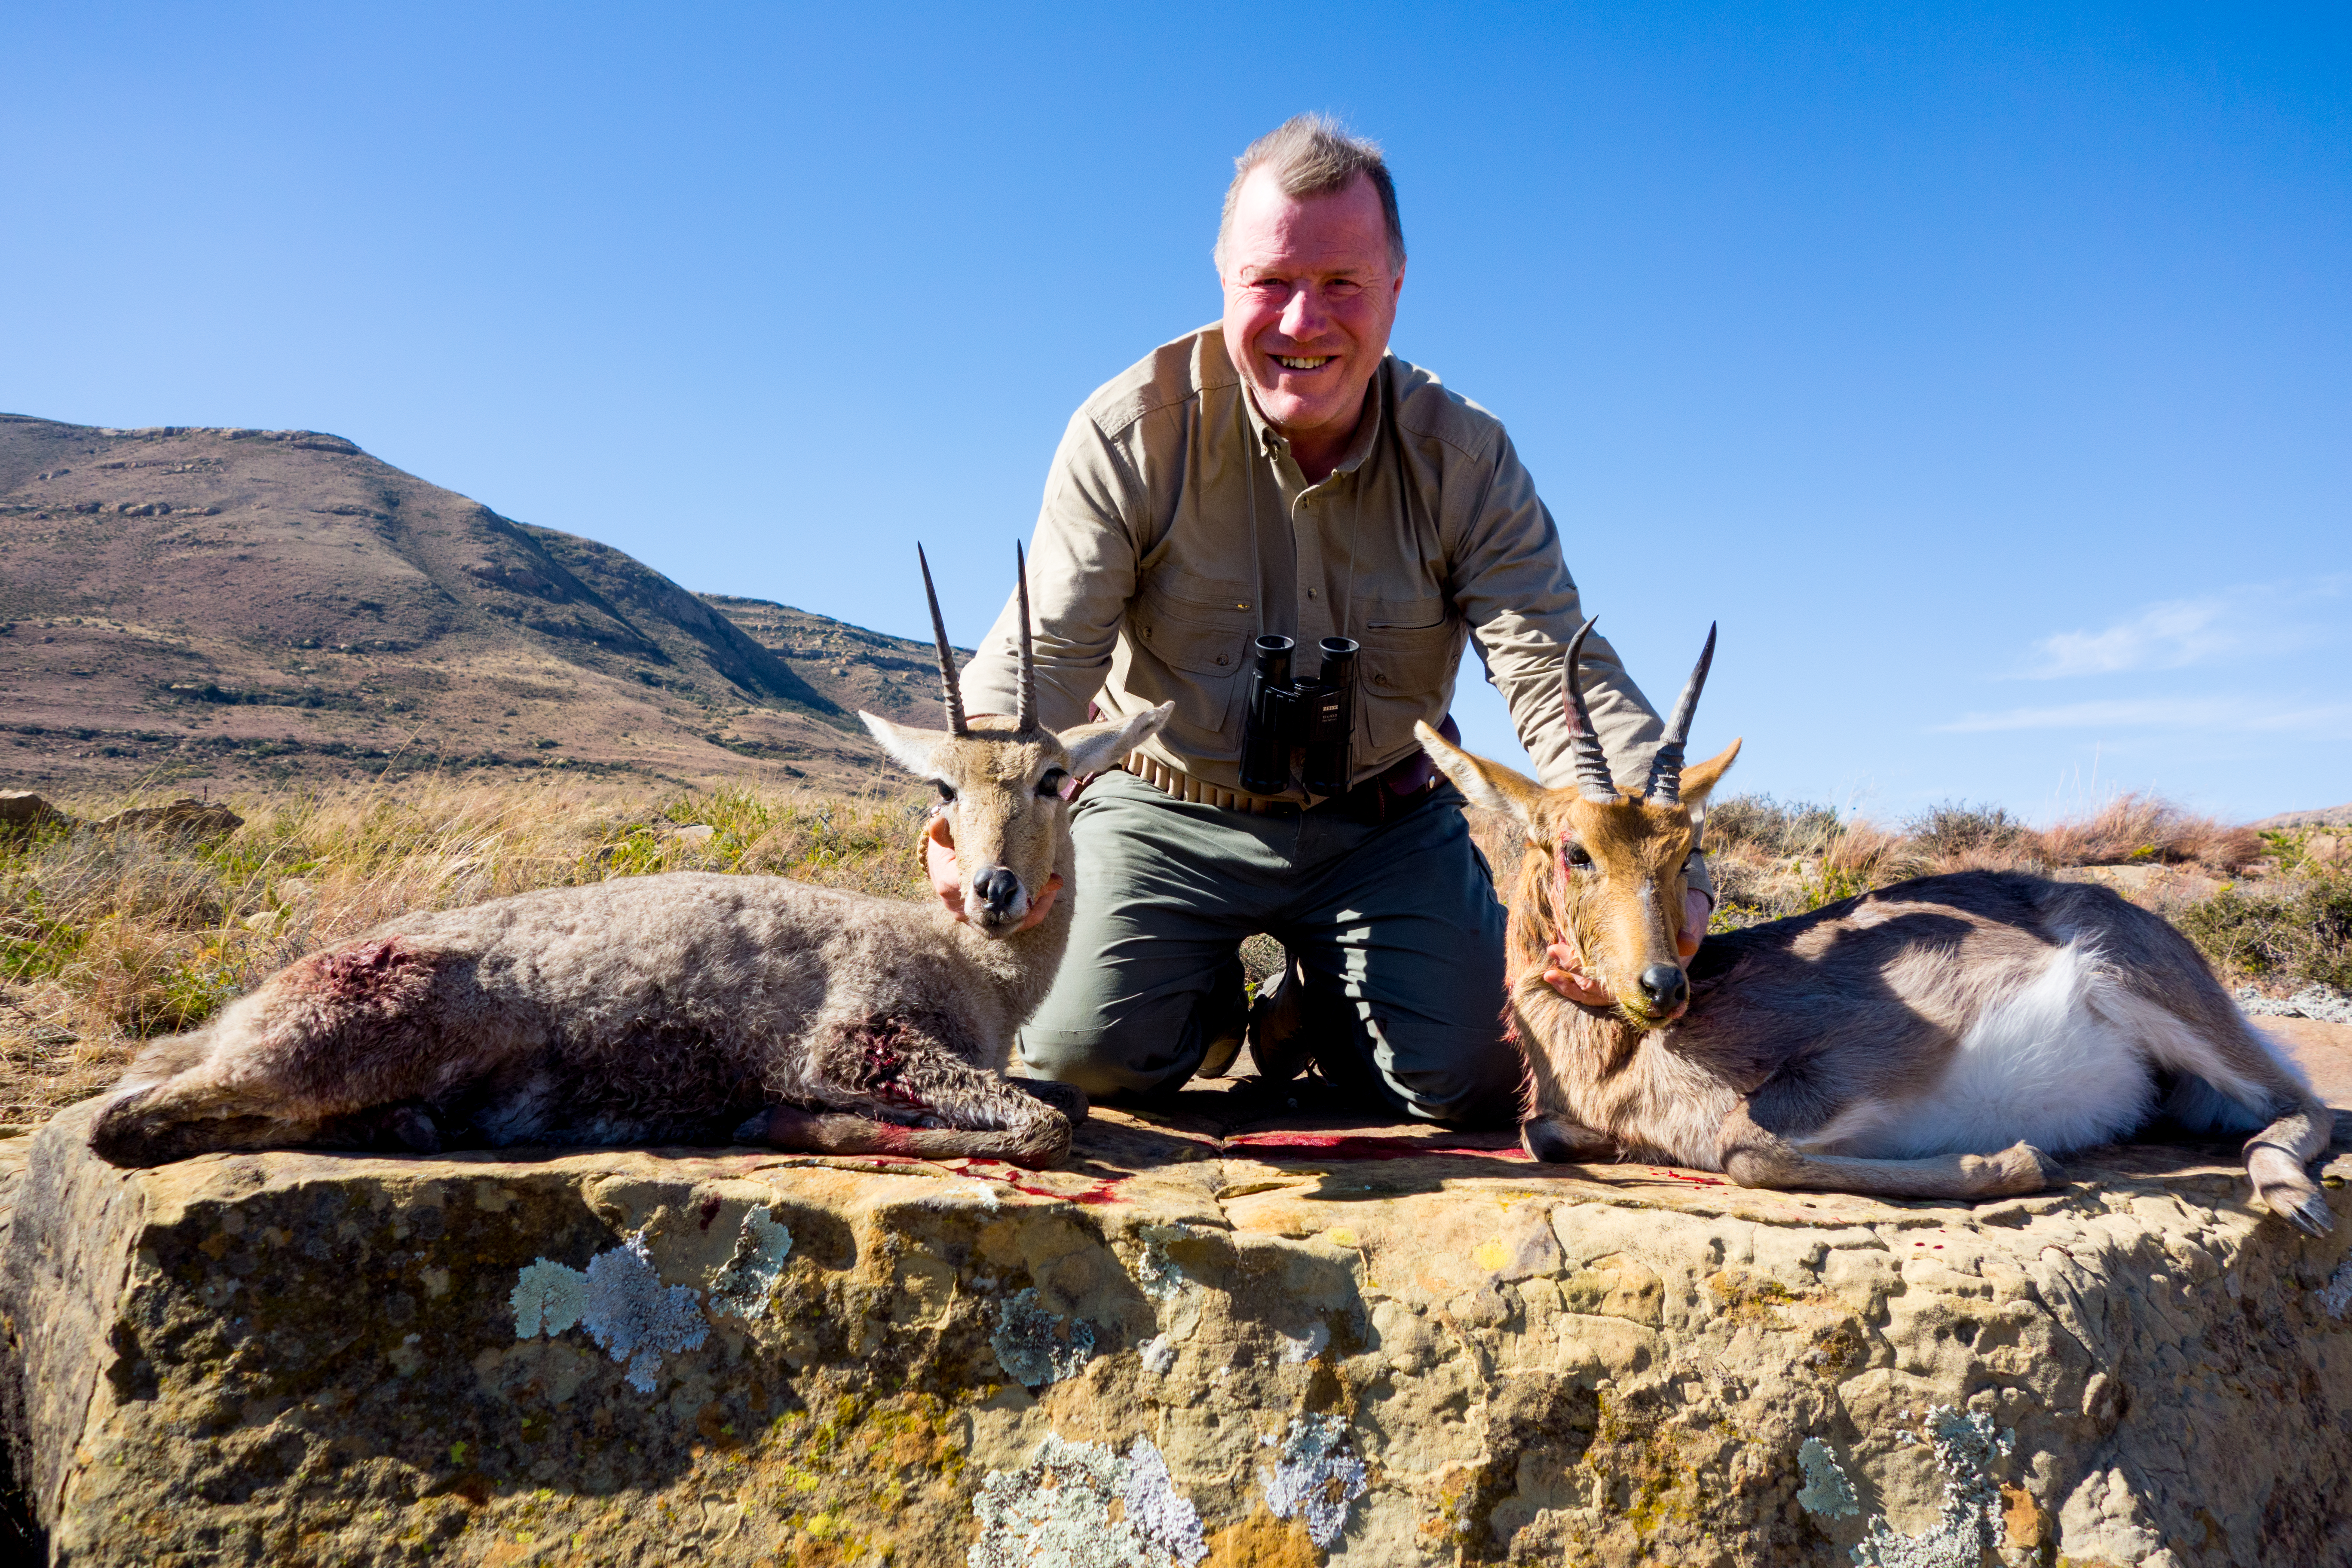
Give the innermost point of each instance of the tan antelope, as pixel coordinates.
(1939, 1038)
(689, 1007)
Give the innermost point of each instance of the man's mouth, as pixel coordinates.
(1302, 361)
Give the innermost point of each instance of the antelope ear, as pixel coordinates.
(1490, 785)
(912, 749)
(1701, 777)
(1097, 748)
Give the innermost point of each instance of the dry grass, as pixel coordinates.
(106, 941)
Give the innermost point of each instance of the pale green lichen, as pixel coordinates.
(1827, 1490)
(742, 1287)
(1965, 1449)
(547, 1299)
(1055, 1512)
(1034, 1347)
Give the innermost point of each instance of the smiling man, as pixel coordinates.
(1282, 473)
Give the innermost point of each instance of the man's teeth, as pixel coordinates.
(1300, 362)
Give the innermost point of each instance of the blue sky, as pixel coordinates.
(1985, 370)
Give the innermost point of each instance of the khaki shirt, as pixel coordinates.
(1147, 587)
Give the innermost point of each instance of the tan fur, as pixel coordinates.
(669, 1008)
(1814, 1046)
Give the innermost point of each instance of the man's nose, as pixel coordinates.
(996, 888)
(1663, 986)
(1304, 317)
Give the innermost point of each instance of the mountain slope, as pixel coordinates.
(246, 604)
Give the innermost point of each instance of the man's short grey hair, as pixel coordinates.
(1313, 155)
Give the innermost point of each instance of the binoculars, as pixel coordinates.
(1317, 717)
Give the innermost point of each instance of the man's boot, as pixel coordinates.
(1279, 1041)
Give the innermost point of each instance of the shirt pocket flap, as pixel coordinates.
(1185, 633)
(1401, 661)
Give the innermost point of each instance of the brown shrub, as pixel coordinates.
(2138, 828)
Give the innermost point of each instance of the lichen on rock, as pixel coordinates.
(1055, 1512)
(743, 1286)
(1827, 1490)
(2335, 1297)
(1034, 1347)
(548, 1299)
(630, 1314)
(1965, 1448)
(1317, 1477)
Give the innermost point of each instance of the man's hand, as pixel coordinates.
(947, 875)
(1565, 973)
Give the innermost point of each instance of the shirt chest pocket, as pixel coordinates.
(1191, 650)
(1410, 650)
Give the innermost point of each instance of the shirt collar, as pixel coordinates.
(1273, 443)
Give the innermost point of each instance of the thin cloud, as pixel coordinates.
(2247, 621)
(2237, 715)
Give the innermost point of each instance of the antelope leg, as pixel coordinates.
(906, 1093)
(1756, 1158)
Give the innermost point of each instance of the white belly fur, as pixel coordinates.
(2047, 1065)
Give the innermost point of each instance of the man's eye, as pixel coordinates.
(947, 791)
(1051, 784)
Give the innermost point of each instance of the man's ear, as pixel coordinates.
(1702, 777)
(910, 749)
(1490, 785)
(1097, 747)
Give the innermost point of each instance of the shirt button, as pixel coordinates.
(1311, 593)
(1221, 659)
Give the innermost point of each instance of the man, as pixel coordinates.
(1280, 472)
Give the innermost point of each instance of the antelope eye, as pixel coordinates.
(947, 791)
(1051, 784)
(1575, 855)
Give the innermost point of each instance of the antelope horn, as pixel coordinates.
(949, 685)
(1026, 715)
(1667, 764)
(1593, 776)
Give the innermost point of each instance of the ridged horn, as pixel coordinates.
(1593, 776)
(1026, 715)
(949, 685)
(1666, 765)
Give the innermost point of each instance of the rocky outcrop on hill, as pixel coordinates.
(1196, 1344)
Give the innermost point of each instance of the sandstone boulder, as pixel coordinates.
(1206, 1341)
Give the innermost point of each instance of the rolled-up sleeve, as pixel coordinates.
(1081, 573)
(1513, 587)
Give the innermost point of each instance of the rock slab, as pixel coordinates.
(1193, 1345)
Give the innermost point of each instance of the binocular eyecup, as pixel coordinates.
(1316, 718)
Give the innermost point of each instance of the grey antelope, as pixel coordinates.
(1939, 1038)
(682, 1008)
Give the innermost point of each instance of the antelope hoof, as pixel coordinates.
(1558, 1142)
(2288, 1193)
(1067, 1097)
(1045, 1147)
(2019, 1168)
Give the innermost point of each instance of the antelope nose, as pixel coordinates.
(996, 888)
(1665, 987)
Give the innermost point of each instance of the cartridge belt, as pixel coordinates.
(1372, 801)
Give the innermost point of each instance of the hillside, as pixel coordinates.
(245, 606)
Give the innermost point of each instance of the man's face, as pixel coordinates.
(1309, 299)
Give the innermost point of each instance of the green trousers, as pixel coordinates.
(1395, 925)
